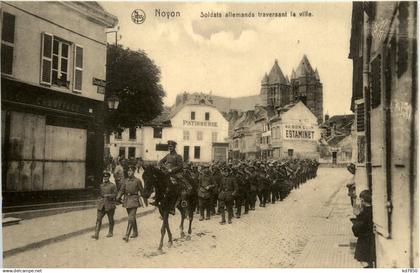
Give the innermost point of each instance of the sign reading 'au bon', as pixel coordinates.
(298, 132)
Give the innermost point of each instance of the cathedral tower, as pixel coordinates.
(307, 87)
(275, 87)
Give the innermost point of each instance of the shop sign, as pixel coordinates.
(199, 123)
(298, 132)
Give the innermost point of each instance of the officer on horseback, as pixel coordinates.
(172, 164)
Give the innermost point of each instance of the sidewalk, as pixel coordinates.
(332, 243)
(34, 233)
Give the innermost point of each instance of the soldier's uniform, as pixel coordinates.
(106, 204)
(205, 185)
(253, 189)
(131, 189)
(227, 190)
(217, 178)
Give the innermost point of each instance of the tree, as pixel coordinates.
(134, 78)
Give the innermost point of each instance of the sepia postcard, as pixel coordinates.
(209, 135)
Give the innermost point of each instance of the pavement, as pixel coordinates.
(311, 228)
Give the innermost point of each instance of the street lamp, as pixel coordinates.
(113, 102)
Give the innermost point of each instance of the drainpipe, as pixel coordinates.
(366, 94)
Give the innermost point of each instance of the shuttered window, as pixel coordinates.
(360, 117)
(7, 43)
(46, 61)
(78, 68)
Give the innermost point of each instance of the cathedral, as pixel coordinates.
(277, 90)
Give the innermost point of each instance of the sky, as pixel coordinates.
(229, 56)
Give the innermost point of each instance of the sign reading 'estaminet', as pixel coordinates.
(298, 132)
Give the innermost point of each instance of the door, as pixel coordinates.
(334, 157)
(65, 158)
(186, 153)
(26, 143)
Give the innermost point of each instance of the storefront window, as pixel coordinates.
(199, 135)
(197, 152)
(186, 135)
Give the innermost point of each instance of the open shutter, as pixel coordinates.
(46, 58)
(78, 68)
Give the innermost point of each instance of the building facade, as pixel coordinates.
(200, 130)
(53, 70)
(385, 104)
(295, 132)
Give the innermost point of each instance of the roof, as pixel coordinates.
(276, 75)
(304, 68)
(164, 119)
(336, 139)
(264, 112)
(287, 107)
(341, 119)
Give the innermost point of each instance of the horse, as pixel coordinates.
(166, 192)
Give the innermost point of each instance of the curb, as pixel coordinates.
(59, 238)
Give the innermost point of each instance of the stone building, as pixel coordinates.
(52, 97)
(384, 100)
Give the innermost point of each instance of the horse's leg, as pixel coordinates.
(162, 232)
(168, 229)
(181, 227)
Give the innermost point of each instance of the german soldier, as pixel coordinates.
(227, 190)
(106, 205)
(205, 186)
(131, 188)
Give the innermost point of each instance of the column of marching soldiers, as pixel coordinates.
(221, 187)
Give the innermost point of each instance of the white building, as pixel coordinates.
(295, 132)
(197, 126)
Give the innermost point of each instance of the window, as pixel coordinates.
(131, 152)
(192, 115)
(132, 133)
(122, 152)
(214, 137)
(78, 68)
(118, 135)
(7, 43)
(186, 135)
(290, 152)
(197, 152)
(60, 63)
(55, 62)
(199, 135)
(161, 147)
(207, 116)
(157, 132)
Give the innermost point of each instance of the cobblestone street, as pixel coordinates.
(311, 228)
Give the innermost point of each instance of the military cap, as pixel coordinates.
(172, 143)
(106, 174)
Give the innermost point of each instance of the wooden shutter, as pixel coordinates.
(78, 68)
(376, 81)
(46, 58)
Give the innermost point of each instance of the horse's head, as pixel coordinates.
(153, 177)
